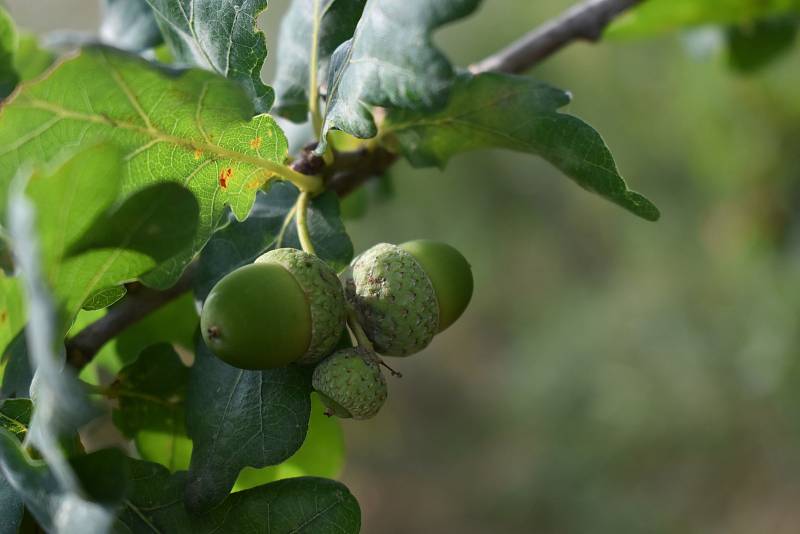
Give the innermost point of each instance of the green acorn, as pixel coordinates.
(404, 295)
(286, 307)
(350, 383)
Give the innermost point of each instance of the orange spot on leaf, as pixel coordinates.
(3, 316)
(224, 176)
(198, 154)
(255, 144)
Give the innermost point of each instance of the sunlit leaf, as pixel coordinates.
(517, 113)
(193, 128)
(220, 36)
(391, 62)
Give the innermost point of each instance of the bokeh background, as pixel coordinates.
(611, 375)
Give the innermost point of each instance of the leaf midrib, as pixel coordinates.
(154, 134)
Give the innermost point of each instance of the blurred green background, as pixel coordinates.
(611, 375)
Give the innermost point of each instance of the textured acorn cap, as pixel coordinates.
(323, 293)
(257, 317)
(350, 383)
(394, 300)
(450, 274)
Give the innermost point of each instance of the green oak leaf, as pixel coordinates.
(271, 224)
(151, 394)
(193, 128)
(92, 242)
(220, 36)
(175, 323)
(8, 49)
(56, 508)
(322, 453)
(390, 62)
(335, 24)
(756, 45)
(298, 505)
(151, 409)
(659, 16)
(129, 25)
(239, 418)
(517, 113)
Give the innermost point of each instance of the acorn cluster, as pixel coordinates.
(290, 307)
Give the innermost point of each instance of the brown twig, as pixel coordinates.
(139, 302)
(584, 21)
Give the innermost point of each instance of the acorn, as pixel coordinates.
(350, 383)
(403, 295)
(286, 307)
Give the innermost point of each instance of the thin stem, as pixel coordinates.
(302, 223)
(358, 331)
(313, 69)
(585, 21)
(304, 182)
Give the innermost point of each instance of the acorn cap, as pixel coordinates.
(350, 383)
(257, 317)
(324, 296)
(394, 300)
(450, 274)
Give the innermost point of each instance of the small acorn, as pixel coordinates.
(403, 295)
(286, 307)
(350, 383)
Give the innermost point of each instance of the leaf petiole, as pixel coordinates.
(302, 223)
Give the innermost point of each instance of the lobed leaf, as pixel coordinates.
(322, 453)
(91, 243)
(193, 128)
(220, 36)
(129, 25)
(271, 224)
(299, 505)
(239, 418)
(336, 24)
(390, 62)
(151, 395)
(517, 113)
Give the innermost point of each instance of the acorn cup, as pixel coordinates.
(350, 383)
(403, 295)
(286, 307)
